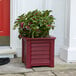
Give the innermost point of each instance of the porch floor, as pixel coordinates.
(16, 66)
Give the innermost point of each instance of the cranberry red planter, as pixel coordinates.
(38, 51)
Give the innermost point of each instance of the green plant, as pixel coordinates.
(34, 24)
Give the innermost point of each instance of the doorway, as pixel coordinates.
(4, 22)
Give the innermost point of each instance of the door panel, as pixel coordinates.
(4, 17)
(1, 18)
(4, 41)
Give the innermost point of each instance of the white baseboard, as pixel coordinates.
(68, 54)
(72, 55)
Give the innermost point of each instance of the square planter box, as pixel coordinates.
(38, 51)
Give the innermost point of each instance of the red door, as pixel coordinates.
(4, 17)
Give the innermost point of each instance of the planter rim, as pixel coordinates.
(51, 37)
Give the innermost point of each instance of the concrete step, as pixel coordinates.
(7, 52)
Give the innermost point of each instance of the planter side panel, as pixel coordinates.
(27, 53)
(52, 53)
(23, 50)
(40, 53)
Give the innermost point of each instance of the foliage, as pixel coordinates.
(34, 24)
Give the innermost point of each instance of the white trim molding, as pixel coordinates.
(14, 41)
(68, 53)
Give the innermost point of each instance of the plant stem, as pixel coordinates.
(33, 34)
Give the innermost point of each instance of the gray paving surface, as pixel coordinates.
(12, 75)
(17, 68)
(57, 67)
(45, 73)
(65, 73)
